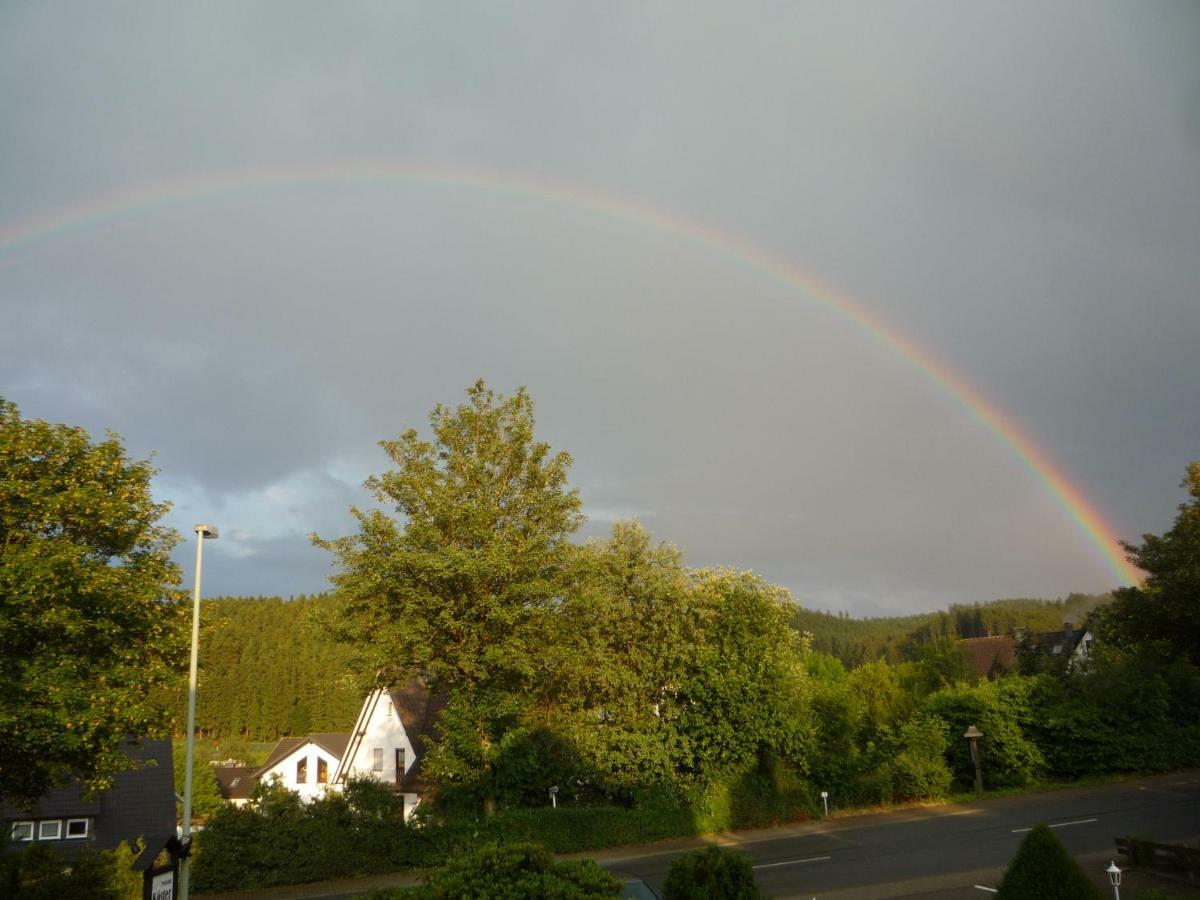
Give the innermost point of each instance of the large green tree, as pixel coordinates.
(92, 635)
(1164, 609)
(459, 578)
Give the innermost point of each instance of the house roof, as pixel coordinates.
(332, 742)
(419, 711)
(1058, 643)
(236, 782)
(991, 655)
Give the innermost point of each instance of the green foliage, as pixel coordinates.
(515, 872)
(711, 874)
(1162, 612)
(916, 766)
(91, 630)
(269, 669)
(41, 872)
(1043, 870)
(460, 589)
(206, 796)
(1003, 711)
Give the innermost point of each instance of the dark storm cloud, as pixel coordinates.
(1015, 186)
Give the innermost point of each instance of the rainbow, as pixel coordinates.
(131, 201)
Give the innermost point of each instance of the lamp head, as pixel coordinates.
(1114, 874)
(206, 532)
(973, 733)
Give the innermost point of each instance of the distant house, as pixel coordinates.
(236, 783)
(991, 657)
(387, 744)
(139, 805)
(305, 764)
(1072, 645)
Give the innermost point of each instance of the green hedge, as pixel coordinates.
(280, 840)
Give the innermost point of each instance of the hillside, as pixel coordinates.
(855, 641)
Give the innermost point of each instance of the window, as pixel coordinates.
(50, 830)
(389, 709)
(322, 771)
(377, 759)
(77, 828)
(22, 831)
(302, 771)
(400, 762)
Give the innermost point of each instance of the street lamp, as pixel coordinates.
(973, 735)
(203, 533)
(1114, 876)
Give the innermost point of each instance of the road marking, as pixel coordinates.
(980, 887)
(1057, 825)
(792, 862)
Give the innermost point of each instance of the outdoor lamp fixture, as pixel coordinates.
(203, 533)
(554, 796)
(1114, 876)
(973, 735)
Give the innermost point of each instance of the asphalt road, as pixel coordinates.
(944, 852)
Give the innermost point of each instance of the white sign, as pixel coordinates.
(824, 794)
(163, 887)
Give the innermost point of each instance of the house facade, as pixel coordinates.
(388, 741)
(387, 744)
(306, 764)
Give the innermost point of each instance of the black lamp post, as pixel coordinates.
(973, 735)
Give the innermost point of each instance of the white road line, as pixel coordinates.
(1057, 825)
(792, 862)
(980, 887)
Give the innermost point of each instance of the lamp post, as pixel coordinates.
(973, 735)
(1114, 877)
(203, 533)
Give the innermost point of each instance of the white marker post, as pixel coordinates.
(825, 800)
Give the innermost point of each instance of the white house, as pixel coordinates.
(306, 764)
(388, 740)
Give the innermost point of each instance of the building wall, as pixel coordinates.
(285, 769)
(384, 732)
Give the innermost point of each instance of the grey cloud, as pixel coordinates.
(1015, 187)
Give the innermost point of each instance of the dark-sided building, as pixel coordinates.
(139, 806)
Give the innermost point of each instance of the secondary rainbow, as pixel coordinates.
(138, 199)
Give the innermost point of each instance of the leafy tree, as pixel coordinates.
(206, 795)
(1163, 610)
(462, 589)
(1043, 870)
(91, 630)
(514, 872)
(711, 874)
(744, 691)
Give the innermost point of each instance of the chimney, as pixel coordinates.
(1018, 633)
(1068, 627)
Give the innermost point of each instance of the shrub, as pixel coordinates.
(711, 874)
(514, 872)
(41, 872)
(1043, 870)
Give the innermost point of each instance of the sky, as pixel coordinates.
(257, 239)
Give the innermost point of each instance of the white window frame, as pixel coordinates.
(44, 824)
(77, 837)
(376, 759)
(32, 831)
